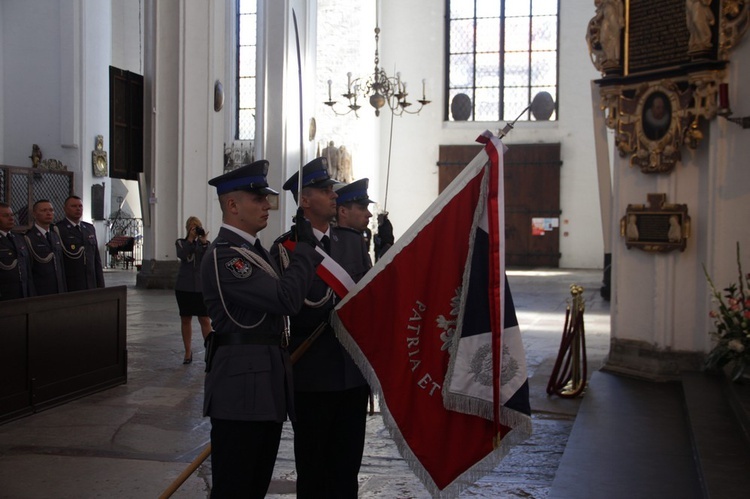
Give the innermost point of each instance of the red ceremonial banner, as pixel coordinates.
(396, 325)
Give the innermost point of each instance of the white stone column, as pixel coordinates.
(184, 56)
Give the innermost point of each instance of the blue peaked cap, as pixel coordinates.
(249, 177)
(314, 174)
(355, 192)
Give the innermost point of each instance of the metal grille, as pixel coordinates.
(19, 199)
(52, 187)
(500, 55)
(23, 186)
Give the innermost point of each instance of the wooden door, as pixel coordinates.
(532, 199)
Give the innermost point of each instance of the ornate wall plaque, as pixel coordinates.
(653, 117)
(99, 158)
(662, 64)
(657, 228)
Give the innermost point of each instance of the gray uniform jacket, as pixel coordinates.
(191, 256)
(46, 262)
(15, 268)
(326, 365)
(251, 382)
(83, 263)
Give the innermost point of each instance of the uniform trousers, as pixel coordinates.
(329, 438)
(243, 454)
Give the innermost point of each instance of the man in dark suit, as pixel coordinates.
(248, 385)
(81, 257)
(330, 394)
(46, 251)
(15, 267)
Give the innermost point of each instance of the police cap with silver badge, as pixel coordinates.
(248, 177)
(355, 192)
(314, 174)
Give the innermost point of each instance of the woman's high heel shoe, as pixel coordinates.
(188, 360)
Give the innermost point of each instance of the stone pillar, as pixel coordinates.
(183, 135)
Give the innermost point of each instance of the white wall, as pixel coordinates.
(127, 34)
(31, 82)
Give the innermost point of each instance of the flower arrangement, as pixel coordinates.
(731, 319)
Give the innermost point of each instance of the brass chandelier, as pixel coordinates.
(379, 88)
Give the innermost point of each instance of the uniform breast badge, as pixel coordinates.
(239, 267)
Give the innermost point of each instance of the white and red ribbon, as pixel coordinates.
(330, 271)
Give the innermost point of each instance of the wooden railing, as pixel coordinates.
(57, 348)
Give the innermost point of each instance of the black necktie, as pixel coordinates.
(49, 238)
(326, 244)
(260, 249)
(78, 228)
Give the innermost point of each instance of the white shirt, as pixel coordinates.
(244, 235)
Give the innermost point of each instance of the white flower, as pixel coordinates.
(736, 345)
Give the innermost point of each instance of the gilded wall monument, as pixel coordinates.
(663, 67)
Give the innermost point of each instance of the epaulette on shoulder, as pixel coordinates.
(283, 237)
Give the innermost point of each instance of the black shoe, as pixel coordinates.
(188, 360)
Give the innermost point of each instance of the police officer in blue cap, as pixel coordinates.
(330, 394)
(353, 208)
(248, 384)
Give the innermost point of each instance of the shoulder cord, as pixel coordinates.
(9, 267)
(259, 262)
(73, 255)
(190, 258)
(38, 258)
(15, 262)
(285, 260)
